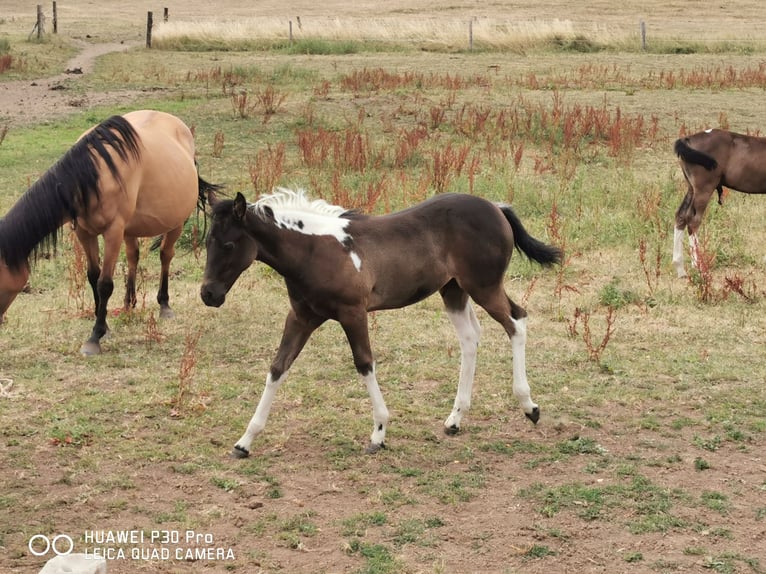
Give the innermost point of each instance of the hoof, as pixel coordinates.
(534, 416)
(239, 452)
(166, 313)
(89, 348)
(373, 448)
(451, 430)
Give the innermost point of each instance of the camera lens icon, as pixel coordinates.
(61, 544)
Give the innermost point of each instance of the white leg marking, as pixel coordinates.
(379, 410)
(468, 333)
(520, 385)
(678, 252)
(258, 422)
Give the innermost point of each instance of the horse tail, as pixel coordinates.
(533, 248)
(205, 188)
(691, 155)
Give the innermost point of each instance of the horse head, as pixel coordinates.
(230, 248)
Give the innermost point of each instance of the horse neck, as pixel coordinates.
(283, 250)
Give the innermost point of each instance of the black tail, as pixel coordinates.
(691, 155)
(528, 245)
(204, 189)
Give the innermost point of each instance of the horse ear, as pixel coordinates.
(240, 206)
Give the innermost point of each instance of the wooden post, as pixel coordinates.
(290, 31)
(39, 22)
(643, 35)
(55, 19)
(470, 35)
(148, 29)
(165, 15)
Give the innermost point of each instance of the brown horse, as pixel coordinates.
(340, 265)
(128, 177)
(711, 160)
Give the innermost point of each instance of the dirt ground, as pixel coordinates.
(25, 102)
(492, 532)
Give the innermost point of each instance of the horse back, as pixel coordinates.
(410, 254)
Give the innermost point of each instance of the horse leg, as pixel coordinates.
(683, 214)
(513, 318)
(354, 323)
(113, 239)
(463, 317)
(131, 254)
(167, 251)
(90, 248)
(689, 215)
(297, 331)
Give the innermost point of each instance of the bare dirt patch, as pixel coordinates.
(34, 101)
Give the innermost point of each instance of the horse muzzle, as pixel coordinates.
(211, 295)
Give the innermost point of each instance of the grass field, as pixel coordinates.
(649, 453)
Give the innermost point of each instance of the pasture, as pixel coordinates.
(649, 453)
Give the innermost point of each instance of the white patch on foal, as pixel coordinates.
(258, 422)
(379, 410)
(468, 333)
(293, 210)
(518, 347)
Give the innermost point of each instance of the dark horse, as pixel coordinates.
(128, 177)
(711, 160)
(340, 265)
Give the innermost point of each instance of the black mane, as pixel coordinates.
(64, 191)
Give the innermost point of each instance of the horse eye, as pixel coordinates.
(228, 246)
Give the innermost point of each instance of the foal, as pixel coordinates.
(711, 160)
(340, 265)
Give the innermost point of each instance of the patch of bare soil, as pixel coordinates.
(24, 102)
(495, 530)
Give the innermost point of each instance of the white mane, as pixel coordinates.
(293, 210)
(295, 201)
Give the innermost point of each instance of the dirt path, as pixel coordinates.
(31, 101)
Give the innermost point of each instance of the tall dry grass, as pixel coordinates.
(422, 31)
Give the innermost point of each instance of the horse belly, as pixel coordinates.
(396, 291)
(163, 203)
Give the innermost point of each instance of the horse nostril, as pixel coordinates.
(209, 298)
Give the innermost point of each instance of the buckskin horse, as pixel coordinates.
(128, 177)
(340, 265)
(712, 160)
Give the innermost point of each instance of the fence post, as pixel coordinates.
(643, 35)
(470, 35)
(165, 15)
(148, 29)
(290, 31)
(39, 22)
(55, 19)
